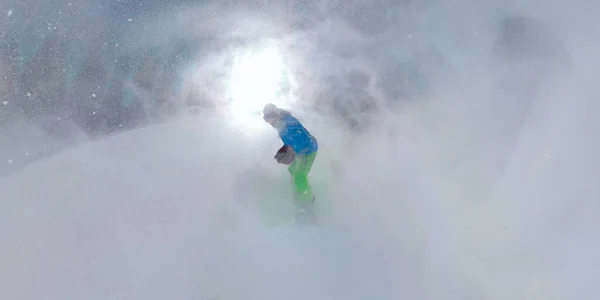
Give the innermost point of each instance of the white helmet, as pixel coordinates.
(270, 111)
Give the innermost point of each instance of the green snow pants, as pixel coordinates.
(299, 169)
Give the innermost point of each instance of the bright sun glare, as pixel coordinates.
(255, 80)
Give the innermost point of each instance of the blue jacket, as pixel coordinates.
(293, 134)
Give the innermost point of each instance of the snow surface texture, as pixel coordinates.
(485, 187)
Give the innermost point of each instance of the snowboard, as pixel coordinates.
(305, 216)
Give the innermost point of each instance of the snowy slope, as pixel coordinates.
(150, 214)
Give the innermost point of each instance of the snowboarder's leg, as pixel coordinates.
(299, 170)
(303, 194)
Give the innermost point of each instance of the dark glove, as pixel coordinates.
(285, 155)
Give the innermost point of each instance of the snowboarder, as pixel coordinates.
(298, 152)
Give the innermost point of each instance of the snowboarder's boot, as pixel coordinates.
(305, 213)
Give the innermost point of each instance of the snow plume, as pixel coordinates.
(458, 153)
